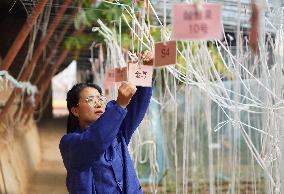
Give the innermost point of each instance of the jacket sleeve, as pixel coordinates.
(79, 150)
(136, 110)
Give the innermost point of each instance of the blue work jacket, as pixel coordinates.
(97, 158)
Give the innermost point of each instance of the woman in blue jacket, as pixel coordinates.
(94, 150)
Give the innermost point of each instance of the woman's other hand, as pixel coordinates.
(125, 93)
(148, 58)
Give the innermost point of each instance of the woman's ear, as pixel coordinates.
(74, 111)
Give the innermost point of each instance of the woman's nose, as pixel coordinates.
(98, 104)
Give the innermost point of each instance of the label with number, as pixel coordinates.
(140, 75)
(120, 74)
(165, 53)
(191, 23)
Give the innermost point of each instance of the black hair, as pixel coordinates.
(73, 97)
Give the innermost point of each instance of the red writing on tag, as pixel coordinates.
(191, 23)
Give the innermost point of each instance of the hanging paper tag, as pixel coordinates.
(140, 75)
(165, 53)
(120, 74)
(108, 85)
(191, 23)
(147, 8)
(110, 75)
(106, 92)
(109, 78)
(97, 64)
(101, 54)
(254, 31)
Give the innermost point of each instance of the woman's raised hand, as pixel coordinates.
(125, 93)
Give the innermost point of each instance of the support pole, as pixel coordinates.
(46, 83)
(26, 73)
(26, 29)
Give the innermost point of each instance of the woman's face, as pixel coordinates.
(89, 108)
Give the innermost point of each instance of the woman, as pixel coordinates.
(94, 150)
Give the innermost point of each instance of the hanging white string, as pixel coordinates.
(242, 96)
(24, 86)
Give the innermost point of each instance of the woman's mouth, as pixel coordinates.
(99, 112)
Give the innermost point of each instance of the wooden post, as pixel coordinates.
(45, 84)
(53, 51)
(44, 68)
(47, 61)
(27, 71)
(26, 29)
(36, 56)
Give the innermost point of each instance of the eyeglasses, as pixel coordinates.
(94, 100)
